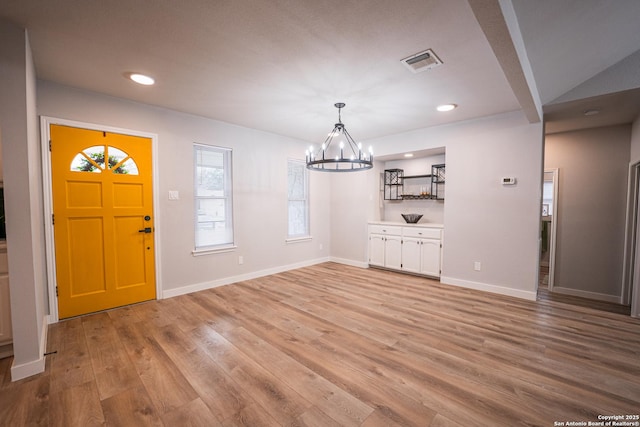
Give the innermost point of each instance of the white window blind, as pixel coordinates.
(213, 197)
(298, 199)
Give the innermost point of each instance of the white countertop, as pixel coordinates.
(404, 224)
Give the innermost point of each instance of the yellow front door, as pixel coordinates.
(103, 219)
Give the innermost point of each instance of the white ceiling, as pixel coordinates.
(280, 65)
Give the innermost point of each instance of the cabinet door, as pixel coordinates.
(376, 249)
(430, 251)
(411, 254)
(393, 252)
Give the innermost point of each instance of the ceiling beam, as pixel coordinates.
(489, 15)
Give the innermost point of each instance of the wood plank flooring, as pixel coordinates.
(544, 294)
(333, 345)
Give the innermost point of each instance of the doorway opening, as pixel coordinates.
(548, 229)
(631, 273)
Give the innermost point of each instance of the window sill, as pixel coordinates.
(298, 239)
(217, 250)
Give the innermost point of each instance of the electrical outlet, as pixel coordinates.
(477, 266)
(320, 246)
(240, 260)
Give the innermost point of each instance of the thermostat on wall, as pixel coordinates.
(508, 180)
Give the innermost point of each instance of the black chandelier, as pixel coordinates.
(348, 157)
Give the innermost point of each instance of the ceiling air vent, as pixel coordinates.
(422, 61)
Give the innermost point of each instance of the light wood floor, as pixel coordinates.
(332, 345)
(544, 294)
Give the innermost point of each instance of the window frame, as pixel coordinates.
(227, 197)
(292, 238)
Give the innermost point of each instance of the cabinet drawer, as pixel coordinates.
(426, 233)
(385, 229)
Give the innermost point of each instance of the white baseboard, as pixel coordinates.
(27, 369)
(586, 294)
(169, 293)
(502, 290)
(33, 367)
(349, 262)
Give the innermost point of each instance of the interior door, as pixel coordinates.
(103, 219)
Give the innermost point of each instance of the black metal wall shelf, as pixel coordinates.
(394, 181)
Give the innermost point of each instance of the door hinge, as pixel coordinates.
(49, 145)
(53, 219)
(56, 291)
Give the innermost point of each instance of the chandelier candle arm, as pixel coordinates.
(355, 161)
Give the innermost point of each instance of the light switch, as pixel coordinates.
(174, 195)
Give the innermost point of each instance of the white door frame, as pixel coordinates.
(554, 226)
(630, 293)
(45, 137)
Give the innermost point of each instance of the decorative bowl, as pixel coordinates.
(411, 218)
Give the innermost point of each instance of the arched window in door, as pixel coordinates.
(92, 159)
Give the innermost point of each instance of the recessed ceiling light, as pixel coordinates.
(408, 155)
(446, 107)
(591, 112)
(141, 79)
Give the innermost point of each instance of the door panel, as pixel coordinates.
(376, 249)
(431, 257)
(411, 254)
(86, 248)
(129, 258)
(102, 197)
(393, 252)
(128, 195)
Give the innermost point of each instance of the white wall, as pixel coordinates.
(355, 200)
(484, 220)
(259, 183)
(593, 169)
(23, 205)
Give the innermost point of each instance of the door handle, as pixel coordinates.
(146, 230)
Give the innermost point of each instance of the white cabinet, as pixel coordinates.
(421, 256)
(413, 249)
(430, 257)
(385, 244)
(421, 249)
(376, 249)
(393, 252)
(411, 256)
